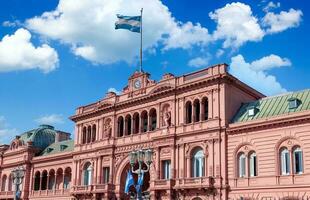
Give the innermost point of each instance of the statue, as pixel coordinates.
(107, 128)
(167, 118)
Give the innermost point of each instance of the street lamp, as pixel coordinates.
(140, 157)
(18, 176)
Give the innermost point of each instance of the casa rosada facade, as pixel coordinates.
(212, 137)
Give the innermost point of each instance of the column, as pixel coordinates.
(173, 159)
(132, 125)
(202, 109)
(40, 185)
(157, 118)
(157, 163)
(111, 170)
(48, 181)
(100, 171)
(188, 166)
(63, 179)
(194, 112)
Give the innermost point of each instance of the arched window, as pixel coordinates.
(253, 164)
(87, 174)
(93, 133)
(153, 119)
(3, 182)
(144, 120)
(298, 162)
(128, 124)
(37, 181)
(196, 110)
(188, 108)
(198, 167)
(51, 180)
(120, 126)
(136, 120)
(44, 180)
(241, 162)
(205, 108)
(88, 134)
(285, 161)
(59, 178)
(67, 178)
(84, 135)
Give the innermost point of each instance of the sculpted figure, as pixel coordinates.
(167, 118)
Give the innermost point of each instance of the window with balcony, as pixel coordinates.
(128, 125)
(153, 119)
(84, 135)
(94, 130)
(87, 174)
(106, 175)
(37, 181)
(205, 107)
(166, 167)
(285, 161)
(196, 110)
(3, 182)
(188, 108)
(242, 161)
(88, 134)
(120, 126)
(198, 167)
(144, 120)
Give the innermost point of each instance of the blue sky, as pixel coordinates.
(58, 55)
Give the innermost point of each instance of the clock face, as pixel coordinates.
(137, 84)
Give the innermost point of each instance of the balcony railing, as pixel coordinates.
(164, 184)
(6, 194)
(58, 192)
(197, 182)
(98, 188)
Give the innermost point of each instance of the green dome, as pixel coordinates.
(41, 137)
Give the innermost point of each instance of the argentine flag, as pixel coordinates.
(129, 182)
(132, 23)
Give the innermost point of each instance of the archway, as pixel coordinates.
(146, 181)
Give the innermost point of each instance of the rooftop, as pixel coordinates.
(273, 106)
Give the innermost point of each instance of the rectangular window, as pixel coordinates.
(166, 165)
(106, 175)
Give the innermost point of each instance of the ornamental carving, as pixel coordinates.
(118, 159)
(107, 128)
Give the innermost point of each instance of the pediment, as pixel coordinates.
(161, 88)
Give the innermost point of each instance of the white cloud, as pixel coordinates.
(271, 5)
(236, 25)
(6, 133)
(111, 89)
(11, 23)
(18, 53)
(88, 27)
(280, 22)
(50, 119)
(199, 62)
(269, 62)
(254, 73)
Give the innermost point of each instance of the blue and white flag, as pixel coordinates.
(132, 23)
(129, 181)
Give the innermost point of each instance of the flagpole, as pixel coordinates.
(141, 42)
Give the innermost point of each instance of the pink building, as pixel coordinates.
(213, 137)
